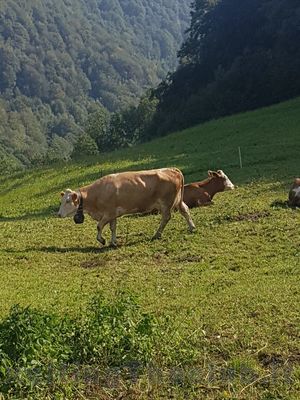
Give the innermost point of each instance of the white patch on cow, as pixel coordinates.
(297, 191)
(228, 184)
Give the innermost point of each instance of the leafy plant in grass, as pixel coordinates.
(114, 332)
(39, 350)
(32, 345)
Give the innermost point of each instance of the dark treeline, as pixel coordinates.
(239, 55)
(65, 62)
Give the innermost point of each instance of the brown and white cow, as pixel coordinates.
(201, 193)
(128, 193)
(294, 194)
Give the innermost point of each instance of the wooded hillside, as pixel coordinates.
(62, 59)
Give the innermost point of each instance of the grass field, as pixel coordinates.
(230, 291)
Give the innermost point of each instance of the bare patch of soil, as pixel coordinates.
(252, 217)
(94, 263)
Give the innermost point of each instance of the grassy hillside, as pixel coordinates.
(231, 290)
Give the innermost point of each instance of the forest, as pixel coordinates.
(239, 55)
(62, 62)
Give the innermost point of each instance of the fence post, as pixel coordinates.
(240, 157)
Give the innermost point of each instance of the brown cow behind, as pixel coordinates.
(294, 194)
(201, 193)
(128, 193)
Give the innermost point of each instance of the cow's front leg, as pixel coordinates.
(100, 226)
(113, 229)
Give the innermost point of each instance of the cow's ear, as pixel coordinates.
(62, 194)
(209, 173)
(75, 198)
(212, 173)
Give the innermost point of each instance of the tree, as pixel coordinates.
(85, 146)
(97, 125)
(59, 149)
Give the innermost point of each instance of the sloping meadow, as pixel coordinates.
(213, 314)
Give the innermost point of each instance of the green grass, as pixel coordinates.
(230, 291)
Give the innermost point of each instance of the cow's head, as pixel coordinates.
(69, 204)
(296, 183)
(222, 179)
(294, 194)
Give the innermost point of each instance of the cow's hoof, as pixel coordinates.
(113, 245)
(156, 237)
(101, 240)
(192, 229)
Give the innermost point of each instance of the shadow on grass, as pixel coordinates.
(50, 211)
(74, 249)
(77, 249)
(62, 250)
(88, 249)
(283, 204)
(280, 204)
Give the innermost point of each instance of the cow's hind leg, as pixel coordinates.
(184, 211)
(166, 216)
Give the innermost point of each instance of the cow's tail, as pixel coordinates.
(181, 206)
(179, 196)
